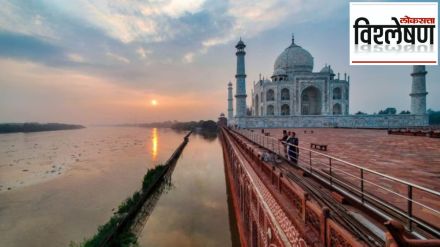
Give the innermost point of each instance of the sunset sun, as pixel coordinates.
(154, 102)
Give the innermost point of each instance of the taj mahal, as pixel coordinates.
(296, 96)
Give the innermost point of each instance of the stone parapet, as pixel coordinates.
(351, 121)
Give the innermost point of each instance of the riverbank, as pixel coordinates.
(117, 231)
(36, 127)
(202, 125)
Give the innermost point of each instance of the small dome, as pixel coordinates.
(222, 114)
(279, 72)
(294, 58)
(264, 81)
(230, 84)
(327, 69)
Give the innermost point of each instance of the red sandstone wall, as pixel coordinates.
(256, 229)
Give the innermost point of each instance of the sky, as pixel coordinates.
(103, 62)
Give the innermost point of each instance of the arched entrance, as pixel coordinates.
(311, 101)
(270, 95)
(270, 111)
(285, 110)
(285, 94)
(337, 94)
(337, 109)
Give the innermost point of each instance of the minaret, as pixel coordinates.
(230, 108)
(418, 92)
(240, 96)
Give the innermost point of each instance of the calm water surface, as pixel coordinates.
(194, 211)
(59, 186)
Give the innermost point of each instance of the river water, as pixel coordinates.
(57, 187)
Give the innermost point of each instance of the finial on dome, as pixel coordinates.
(293, 38)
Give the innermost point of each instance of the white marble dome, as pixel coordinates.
(294, 58)
(266, 81)
(327, 69)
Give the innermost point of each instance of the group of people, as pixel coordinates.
(290, 142)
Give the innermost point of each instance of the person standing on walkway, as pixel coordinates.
(292, 148)
(296, 148)
(283, 141)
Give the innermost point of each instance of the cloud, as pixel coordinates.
(143, 53)
(188, 58)
(251, 18)
(22, 17)
(188, 27)
(176, 8)
(118, 58)
(75, 58)
(132, 21)
(132, 41)
(14, 45)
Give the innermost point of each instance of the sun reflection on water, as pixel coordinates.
(154, 139)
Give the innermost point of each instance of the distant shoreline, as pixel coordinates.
(7, 128)
(202, 125)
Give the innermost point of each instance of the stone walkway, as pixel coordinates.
(410, 158)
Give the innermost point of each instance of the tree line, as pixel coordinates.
(434, 116)
(207, 125)
(36, 127)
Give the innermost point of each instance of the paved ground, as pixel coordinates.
(410, 158)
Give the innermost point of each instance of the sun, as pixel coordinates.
(154, 102)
